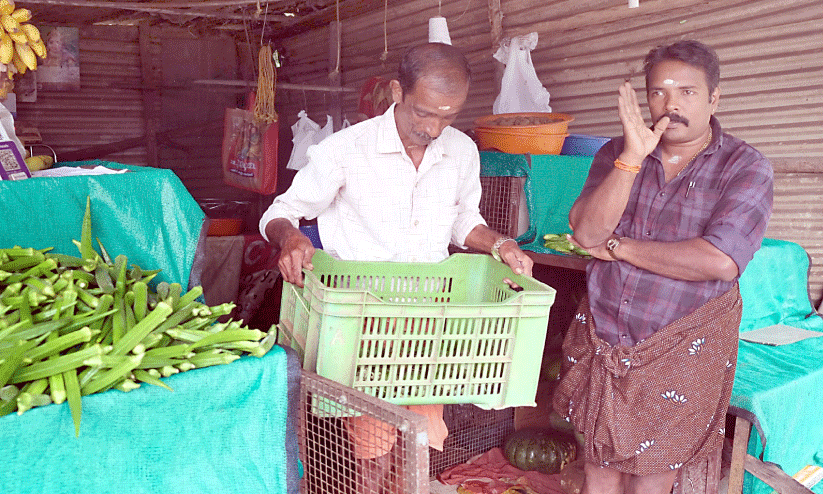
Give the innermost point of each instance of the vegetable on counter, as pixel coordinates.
(72, 326)
(560, 243)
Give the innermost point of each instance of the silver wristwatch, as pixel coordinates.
(496, 247)
(611, 245)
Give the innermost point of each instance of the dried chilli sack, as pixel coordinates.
(250, 137)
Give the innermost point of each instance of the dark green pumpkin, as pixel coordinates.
(543, 450)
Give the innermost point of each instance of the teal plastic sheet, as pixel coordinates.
(553, 183)
(781, 385)
(227, 428)
(145, 214)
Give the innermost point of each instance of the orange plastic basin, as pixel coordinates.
(523, 133)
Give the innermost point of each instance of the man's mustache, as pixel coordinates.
(675, 118)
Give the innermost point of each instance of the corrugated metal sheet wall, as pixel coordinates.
(771, 74)
(109, 105)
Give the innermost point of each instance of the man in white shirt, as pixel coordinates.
(399, 187)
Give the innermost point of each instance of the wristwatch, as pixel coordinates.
(611, 245)
(495, 248)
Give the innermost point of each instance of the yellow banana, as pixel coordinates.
(47, 159)
(31, 32)
(7, 6)
(9, 23)
(39, 48)
(26, 54)
(18, 64)
(21, 15)
(18, 36)
(6, 48)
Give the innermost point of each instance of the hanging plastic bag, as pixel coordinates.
(250, 136)
(306, 132)
(520, 89)
(7, 131)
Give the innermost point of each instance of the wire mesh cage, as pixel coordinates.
(472, 431)
(500, 204)
(341, 427)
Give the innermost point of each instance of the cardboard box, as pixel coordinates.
(12, 165)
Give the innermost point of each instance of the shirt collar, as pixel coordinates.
(389, 139)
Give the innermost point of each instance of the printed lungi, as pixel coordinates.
(657, 405)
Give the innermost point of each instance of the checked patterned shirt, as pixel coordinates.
(724, 197)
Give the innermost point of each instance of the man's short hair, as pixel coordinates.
(428, 58)
(690, 52)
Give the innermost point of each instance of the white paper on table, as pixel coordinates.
(778, 334)
(65, 171)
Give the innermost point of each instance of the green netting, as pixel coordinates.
(145, 214)
(553, 182)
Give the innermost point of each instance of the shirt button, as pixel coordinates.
(648, 233)
(626, 301)
(662, 194)
(416, 222)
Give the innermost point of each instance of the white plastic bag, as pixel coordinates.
(520, 89)
(306, 132)
(7, 132)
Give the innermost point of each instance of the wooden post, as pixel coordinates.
(336, 106)
(151, 96)
(740, 443)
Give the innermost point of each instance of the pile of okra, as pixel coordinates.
(72, 326)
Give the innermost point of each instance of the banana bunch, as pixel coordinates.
(39, 162)
(20, 42)
(562, 244)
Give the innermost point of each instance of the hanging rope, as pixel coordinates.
(337, 41)
(264, 102)
(263, 29)
(385, 54)
(248, 44)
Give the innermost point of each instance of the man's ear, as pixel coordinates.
(715, 99)
(396, 91)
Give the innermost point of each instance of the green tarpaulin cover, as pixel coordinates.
(781, 385)
(553, 182)
(227, 428)
(145, 214)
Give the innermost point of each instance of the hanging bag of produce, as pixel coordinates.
(250, 136)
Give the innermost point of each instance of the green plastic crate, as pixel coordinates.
(421, 333)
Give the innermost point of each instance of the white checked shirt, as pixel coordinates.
(371, 204)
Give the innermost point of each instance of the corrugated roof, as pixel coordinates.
(270, 18)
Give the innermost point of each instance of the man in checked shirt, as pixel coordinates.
(672, 214)
(397, 187)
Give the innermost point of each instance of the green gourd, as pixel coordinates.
(543, 450)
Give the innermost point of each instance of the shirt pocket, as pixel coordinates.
(695, 207)
(688, 213)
